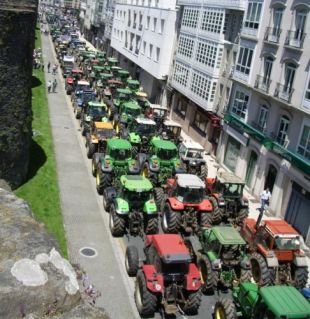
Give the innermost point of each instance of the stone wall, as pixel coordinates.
(17, 35)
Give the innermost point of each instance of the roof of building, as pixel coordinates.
(189, 180)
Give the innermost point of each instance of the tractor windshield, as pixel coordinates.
(105, 133)
(194, 153)
(132, 112)
(166, 154)
(282, 243)
(145, 129)
(120, 155)
(97, 113)
(228, 189)
(159, 113)
(190, 195)
(134, 196)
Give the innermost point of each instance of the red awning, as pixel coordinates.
(215, 119)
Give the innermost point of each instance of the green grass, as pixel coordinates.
(41, 188)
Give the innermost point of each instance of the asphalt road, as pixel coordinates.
(86, 222)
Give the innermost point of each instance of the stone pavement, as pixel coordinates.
(85, 222)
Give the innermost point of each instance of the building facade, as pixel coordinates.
(143, 36)
(201, 77)
(266, 132)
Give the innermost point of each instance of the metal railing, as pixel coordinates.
(262, 83)
(295, 39)
(272, 35)
(284, 92)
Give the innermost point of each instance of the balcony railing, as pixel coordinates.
(134, 25)
(262, 83)
(140, 27)
(284, 92)
(272, 35)
(259, 127)
(295, 39)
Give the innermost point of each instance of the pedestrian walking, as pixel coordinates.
(49, 86)
(265, 198)
(54, 85)
(42, 66)
(48, 66)
(54, 69)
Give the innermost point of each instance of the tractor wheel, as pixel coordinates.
(192, 304)
(203, 171)
(159, 196)
(132, 260)
(153, 179)
(209, 278)
(91, 149)
(117, 223)
(151, 225)
(242, 215)
(145, 300)
(260, 271)
(217, 213)
(93, 167)
(102, 181)
(171, 220)
(105, 201)
(225, 309)
(300, 276)
(205, 219)
(245, 275)
(112, 112)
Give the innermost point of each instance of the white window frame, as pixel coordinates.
(263, 117)
(240, 106)
(282, 137)
(186, 46)
(244, 61)
(253, 15)
(304, 150)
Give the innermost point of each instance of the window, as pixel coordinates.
(190, 17)
(162, 25)
(151, 51)
(148, 22)
(157, 54)
(300, 24)
(181, 73)
(185, 46)
(143, 47)
(201, 85)
(307, 95)
(212, 20)
(232, 153)
(253, 15)
(282, 132)
(277, 20)
(304, 143)
(267, 69)
(181, 108)
(244, 60)
(240, 104)
(206, 53)
(200, 122)
(154, 24)
(290, 70)
(262, 118)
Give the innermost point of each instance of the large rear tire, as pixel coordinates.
(209, 278)
(193, 302)
(217, 213)
(132, 261)
(151, 225)
(203, 171)
(242, 215)
(260, 271)
(145, 300)
(103, 180)
(300, 276)
(91, 149)
(117, 223)
(225, 309)
(245, 275)
(205, 219)
(159, 196)
(171, 220)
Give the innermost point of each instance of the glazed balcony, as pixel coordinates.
(262, 83)
(295, 39)
(284, 92)
(272, 35)
(227, 4)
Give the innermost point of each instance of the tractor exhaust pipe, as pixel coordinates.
(260, 217)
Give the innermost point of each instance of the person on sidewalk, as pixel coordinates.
(49, 86)
(54, 86)
(54, 69)
(265, 198)
(48, 66)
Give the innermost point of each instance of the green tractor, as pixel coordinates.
(139, 132)
(274, 302)
(131, 206)
(115, 162)
(221, 256)
(123, 75)
(127, 112)
(112, 62)
(161, 162)
(120, 96)
(133, 85)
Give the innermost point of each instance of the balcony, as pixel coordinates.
(295, 39)
(227, 4)
(262, 83)
(272, 35)
(270, 142)
(284, 92)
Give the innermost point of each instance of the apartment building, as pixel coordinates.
(266, 132)
(201, 77)
(143, 36)
(70, 4)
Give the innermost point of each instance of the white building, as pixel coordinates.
(143, 34)
(266, 135)
(205, 53)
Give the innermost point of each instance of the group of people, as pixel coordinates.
(37, 56)
(51, 86)
(54, 68)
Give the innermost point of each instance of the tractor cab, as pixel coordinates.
(142, 99)
(122, 95)
(112, 62)
(133, 85)
(163, 150)
(172, 131)
(115, 70)
(96, 111)
(158, 113)
(128, 111)
(122, 75)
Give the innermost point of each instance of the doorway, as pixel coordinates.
(271, 177)
(251, 168)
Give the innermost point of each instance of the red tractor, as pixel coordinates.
(184, 206)
(167, 277)
(276, 255)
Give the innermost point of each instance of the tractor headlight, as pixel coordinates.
(216, 264)
(157, 286)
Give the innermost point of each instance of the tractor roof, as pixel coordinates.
(112, 60)
(136, 183)
(132, 105)
(280, 227)
(163, 144)
(124, 91)
(104, 125)
(171, 123)
(141, 94)
(83, 82)
(116, 68)
(170, 247)
(130, 81)
(121, 71)
(144, 120)
(193, 145)
(98, 67)
(158, 107)
(189, 180)
(228, 177)
(285, 301)
(228, 235)
(115, 82)
(119, 144)
(106, 75)
(96, 104)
